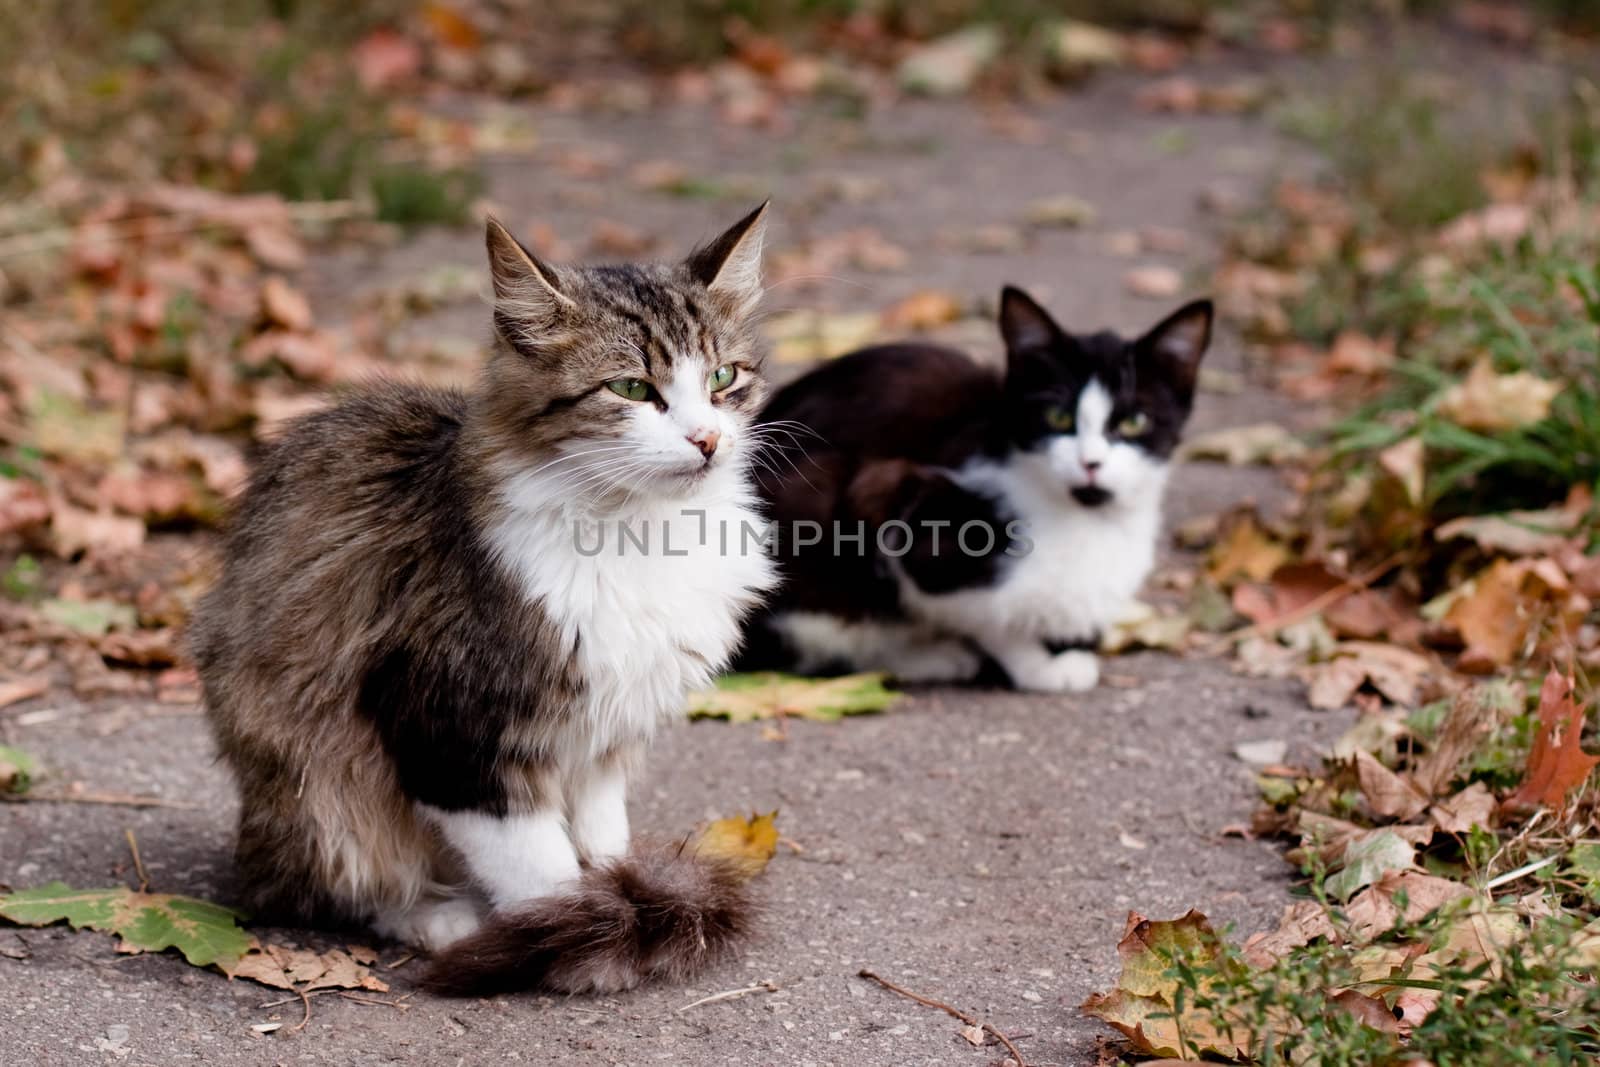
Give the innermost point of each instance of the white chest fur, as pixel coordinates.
(649, 598)
(1081, 567)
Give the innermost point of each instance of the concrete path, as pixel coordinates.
(981, 848)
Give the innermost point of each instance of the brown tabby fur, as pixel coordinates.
(362, 651)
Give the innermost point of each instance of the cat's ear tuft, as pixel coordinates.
(731, 264)
(1180, 340)
(522, 283)
(1023, 323)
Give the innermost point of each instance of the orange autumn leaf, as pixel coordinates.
(1558, 764)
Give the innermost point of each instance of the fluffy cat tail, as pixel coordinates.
(657, 913)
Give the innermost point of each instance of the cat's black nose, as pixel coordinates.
(705, 441)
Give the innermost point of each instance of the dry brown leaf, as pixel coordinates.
(1473, 806)
(1395, 672)
(1497, 612)
(74, 530)
(1388, 794)
(1406, 463)
(1303, 922)
(383, 58)
(1154, 282)
(1473, 715)
(1557, 764)
(1373, 912)
(300, 969)
(22, 504)
(283, 304)
(16, 690)
(1245, 551)
(923, 310)
(1494, 402)
(1370, 1010)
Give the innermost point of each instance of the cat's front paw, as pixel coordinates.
(431, 925)
(1073, 671)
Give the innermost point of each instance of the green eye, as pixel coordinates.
(723, 377)
(1060, 419)
(1135, 425)
(630, 388)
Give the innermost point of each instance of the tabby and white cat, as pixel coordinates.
(936, 519)
(429, 686)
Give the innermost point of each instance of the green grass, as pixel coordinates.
(1404, 162)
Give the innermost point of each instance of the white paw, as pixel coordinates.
(600, 841)
(1072, 671)
(433, 924)
(948, 661)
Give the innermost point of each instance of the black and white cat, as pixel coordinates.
(935, 517)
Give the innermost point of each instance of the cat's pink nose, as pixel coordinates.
(705, 441)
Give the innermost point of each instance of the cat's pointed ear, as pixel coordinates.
(522, 284)
(1024, 324)
(731, 264)
(1178, 342)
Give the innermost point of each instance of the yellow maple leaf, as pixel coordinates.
(745, 843)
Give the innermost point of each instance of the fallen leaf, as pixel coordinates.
(1064, 210)
(1389, 795)
(17, 769)
(1074, 50)
(1245, 550)
(74, 530)
(1240, 446)
(1514, 533)
(1557, 764)
(1497, 611)
(285, 305)
(141, 648)
(923, 310)
(383, 58)
(1375, 910)
(1144, 1005)
(16, 690)
(1394, 672)
(1368, 859)
(1303, 922)
(1406, 462)
(1142, 626)
(1493, 402)
(1370, 1010)
(1473, 715)
(748, 844)
(65, 427)
(204, 932)
(1473, 806)
(950, 64)
(302, 969)
(94, 618)
(22, 504)
(808, 336)
(1153, 282)
(769, 694)
(1497, 223)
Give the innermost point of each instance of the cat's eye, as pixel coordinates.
(722, 377)
(1060, 419)
(1135, 425)
(630, 388)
